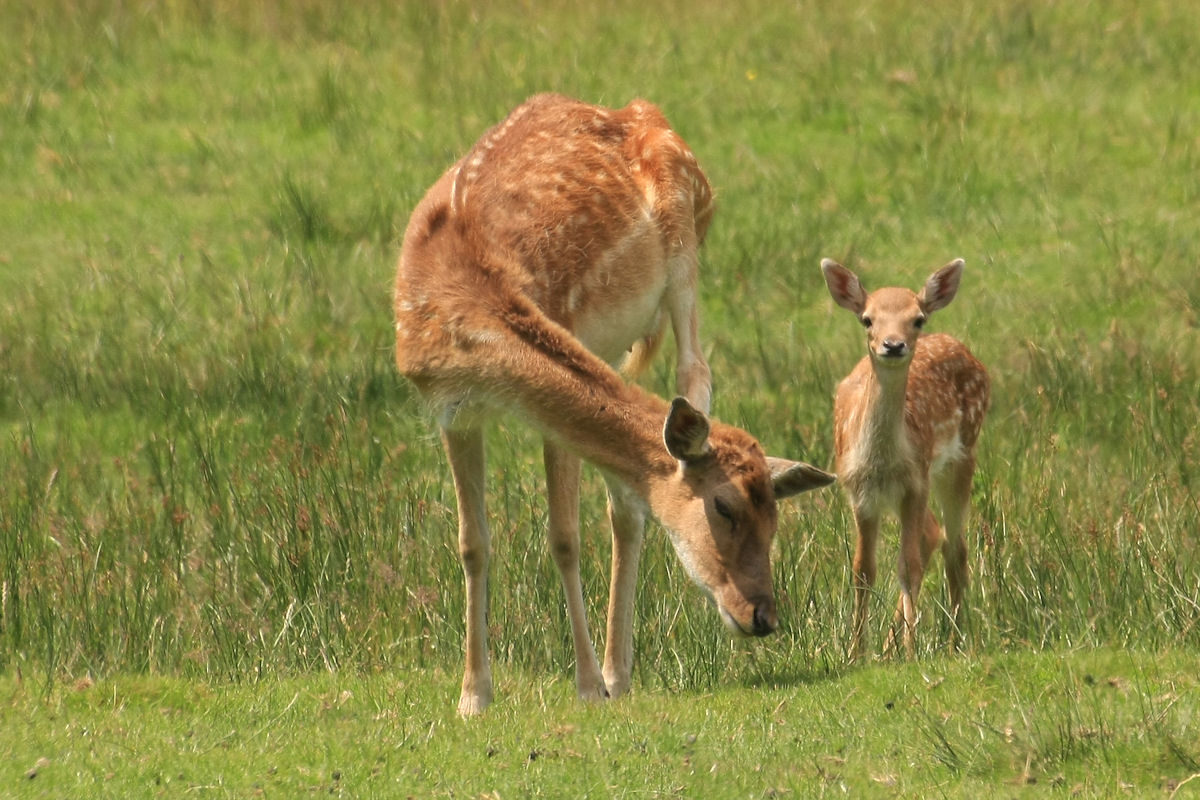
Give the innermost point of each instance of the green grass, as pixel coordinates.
(1072, 724)
(214, 488)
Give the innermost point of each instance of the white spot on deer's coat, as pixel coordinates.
(947, 451)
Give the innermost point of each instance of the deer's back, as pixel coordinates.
(581, 209)
(948, 391)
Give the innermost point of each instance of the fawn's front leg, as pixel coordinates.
(920, 536)
(864, 579)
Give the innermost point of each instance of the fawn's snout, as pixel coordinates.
(894, 348)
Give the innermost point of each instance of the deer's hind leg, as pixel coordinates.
(953, 490)
(562, 484)
(627, 515)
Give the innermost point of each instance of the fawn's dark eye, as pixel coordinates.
(866, 321)
(920, 322)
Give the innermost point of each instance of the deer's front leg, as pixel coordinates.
(919, 537)
(464, 449)
(864, 566)
(627, 515)
(562, 483)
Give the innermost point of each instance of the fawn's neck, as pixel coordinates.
(883, 429)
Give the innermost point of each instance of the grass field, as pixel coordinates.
(227, 532)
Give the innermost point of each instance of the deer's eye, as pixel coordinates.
(722, 508)
(919, 322)
(866, 321)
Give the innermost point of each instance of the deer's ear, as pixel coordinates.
(793, 477)
(686, 431)
(845, 288)
(941, 287)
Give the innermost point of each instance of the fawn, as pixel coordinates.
(906, 422)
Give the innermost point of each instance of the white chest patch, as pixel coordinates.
(876, 478)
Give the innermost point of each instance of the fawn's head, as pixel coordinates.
(892, 316)
(719, 509)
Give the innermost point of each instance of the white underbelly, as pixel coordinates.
(619, 300)
(611, 337)
(609, 322)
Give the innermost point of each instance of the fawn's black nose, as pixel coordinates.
(894, 348)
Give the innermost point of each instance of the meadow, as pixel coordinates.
(228, 561)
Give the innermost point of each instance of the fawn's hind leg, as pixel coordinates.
(954, 496)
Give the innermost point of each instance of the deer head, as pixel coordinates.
(893, 317)
(719, 509)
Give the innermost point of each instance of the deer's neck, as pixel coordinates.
(470, 336)
(522, 361)
(581, 402)
(882, 436)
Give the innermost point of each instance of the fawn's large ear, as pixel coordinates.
(686, 431)
(941, 287)
(844, 286)
(793, 477)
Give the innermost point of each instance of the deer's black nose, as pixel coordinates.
(894, 347)
(765, 619)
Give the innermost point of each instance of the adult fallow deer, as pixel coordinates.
(564, 239)
(906, 421)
